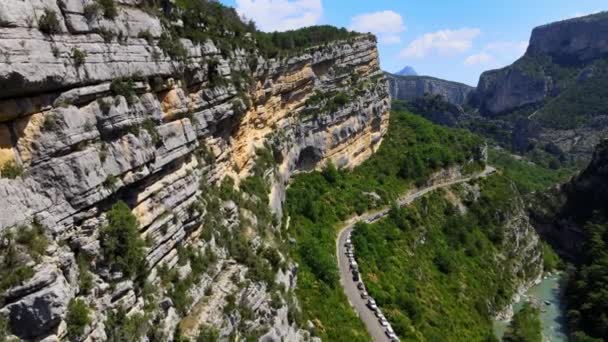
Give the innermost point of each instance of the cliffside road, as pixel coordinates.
(368, 317)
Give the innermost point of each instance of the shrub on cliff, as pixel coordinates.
(48, 22)
(77, 319)
(122, 246)
(110, 11)
(11, 170)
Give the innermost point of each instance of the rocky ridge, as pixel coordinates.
(89, 118)
(407, 88)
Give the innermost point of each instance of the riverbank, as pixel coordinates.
(547, 294)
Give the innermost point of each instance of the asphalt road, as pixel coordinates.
(375, 330)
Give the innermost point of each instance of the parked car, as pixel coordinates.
(360, 286)
(355, 276)
(364, 294)
(383, 322)
(373, 307)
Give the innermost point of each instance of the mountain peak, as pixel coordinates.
(407, 71)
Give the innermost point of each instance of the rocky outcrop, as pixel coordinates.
(406, 88)
(572, 41)
(556, 54)
(97, 112)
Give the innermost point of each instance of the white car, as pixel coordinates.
(373, 307)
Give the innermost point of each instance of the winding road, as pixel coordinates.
(375, 330)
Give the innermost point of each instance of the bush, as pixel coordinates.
(11, 170)
(48, 22)
(208, 333)
(77, 319)
(121, 244)
(79, 57)
(110, 11)
(91, 11)
(147, 36)
(525, 326)
(120, 327)
(124, 87)
(150, 126)
(51, 122)
(172, 46)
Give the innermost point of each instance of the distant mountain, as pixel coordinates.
(407, 88)
(407, 71)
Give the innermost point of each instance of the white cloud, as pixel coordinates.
(442, 42)
(281, 15)
(481, 58)
(497, 53)
(507, 48)
(387, 25)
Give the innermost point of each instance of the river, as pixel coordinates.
(552, 316)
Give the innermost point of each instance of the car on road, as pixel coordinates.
(372, 307)
(360, 286)
(355, 276)
(363, 294)
(383, 322)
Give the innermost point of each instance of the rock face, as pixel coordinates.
(573, 41)
(534, 78)
(406, 88)
(90, 118)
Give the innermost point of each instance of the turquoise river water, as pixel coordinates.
(551, 316)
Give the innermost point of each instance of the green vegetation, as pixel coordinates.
(20, 246)
(579, 103)
(587, 289)
(121, 244)
(178, 288)
(527, 175)
(433, 270)
(551, 261)
(150, 126)
(48, 22)
(110, 11)
(277, 43)
(124, 87)
(120, 327)
(79, 57)
(317, 202)
(91, 11)
(582, 203)
(11, 170)
(205, 19)
(77, 319)
(525, 327)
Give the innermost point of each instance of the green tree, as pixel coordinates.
(121, 244)
(77, 319)
(525, 326)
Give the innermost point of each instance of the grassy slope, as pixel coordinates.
(317, 202)
(528, 176)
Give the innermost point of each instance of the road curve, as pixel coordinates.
(375, 330)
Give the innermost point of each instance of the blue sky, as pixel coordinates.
(454, 40)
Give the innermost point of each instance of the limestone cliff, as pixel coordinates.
(556, 54)
(101, 109)
(407, 88)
